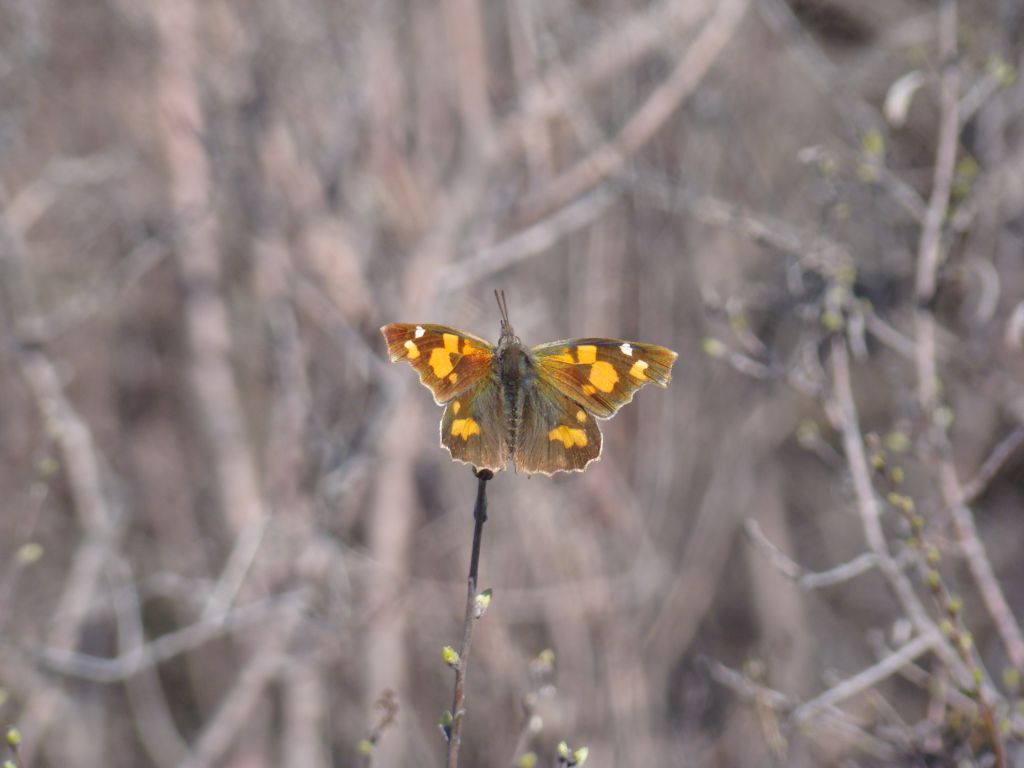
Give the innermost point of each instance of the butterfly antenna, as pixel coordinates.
(506, 326)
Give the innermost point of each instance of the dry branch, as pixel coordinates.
(608, 159)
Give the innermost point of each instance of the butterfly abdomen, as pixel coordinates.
(516, 373)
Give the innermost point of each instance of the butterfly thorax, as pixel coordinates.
(515, 374)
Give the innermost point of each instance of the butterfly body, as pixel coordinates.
(536, 407)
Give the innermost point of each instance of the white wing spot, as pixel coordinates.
(626, 349)
(420, 330)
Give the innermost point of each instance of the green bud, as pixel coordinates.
(365, 747)
(955, 604)
(1011, 679)
(932, 578)
(807, 433)
(579, 756)
(897, 441)
(896, 474)
(48, 466)
(832, 320)
(946, 627)
(450, 656)
(29, 553)
(867, 172)
(932, 556)
(481, 603)
(13, 737)
(846, 274)
(713, 348)
(873, 144)
(1002, 70)
(445, 724)
(529, 760)
(563, 750)
(943, 417)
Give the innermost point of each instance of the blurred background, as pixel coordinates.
(228, 534)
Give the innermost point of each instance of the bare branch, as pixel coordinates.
(168, 646)
(867, 678)
(608, 159)
(789, 568)
(976, 486)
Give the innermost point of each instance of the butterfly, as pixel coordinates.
(536, 407)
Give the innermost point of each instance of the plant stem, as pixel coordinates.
(459, 696)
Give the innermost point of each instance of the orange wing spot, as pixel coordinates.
(568, 436)
(586, 354)
(441, 361)
(637, 371)
(581, 416)
(603, 376)
(465, 428)
(451, 343)
(412, 349)
(589, 390)
(456, 407)
(453, 377)
(564, 357)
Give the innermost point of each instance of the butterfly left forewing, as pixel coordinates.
(602, 374)
(553, 433)
(448, 361)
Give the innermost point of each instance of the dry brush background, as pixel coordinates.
(227, 529)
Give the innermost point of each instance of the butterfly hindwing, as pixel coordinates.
(473, 426)
(602, 374)
(553, 432)
(448, 361)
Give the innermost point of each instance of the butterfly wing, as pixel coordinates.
(554, 433)
(602, 374)
(473, 425)
(448, 361)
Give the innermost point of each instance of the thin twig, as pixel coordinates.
(930, 246)
(974, 487)
(459, 696)
(607, 159)
(866, 678)
(139, 658)
(864, 562)
(531, 241)
(843, 412)
(831, 717)
(928, 260)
